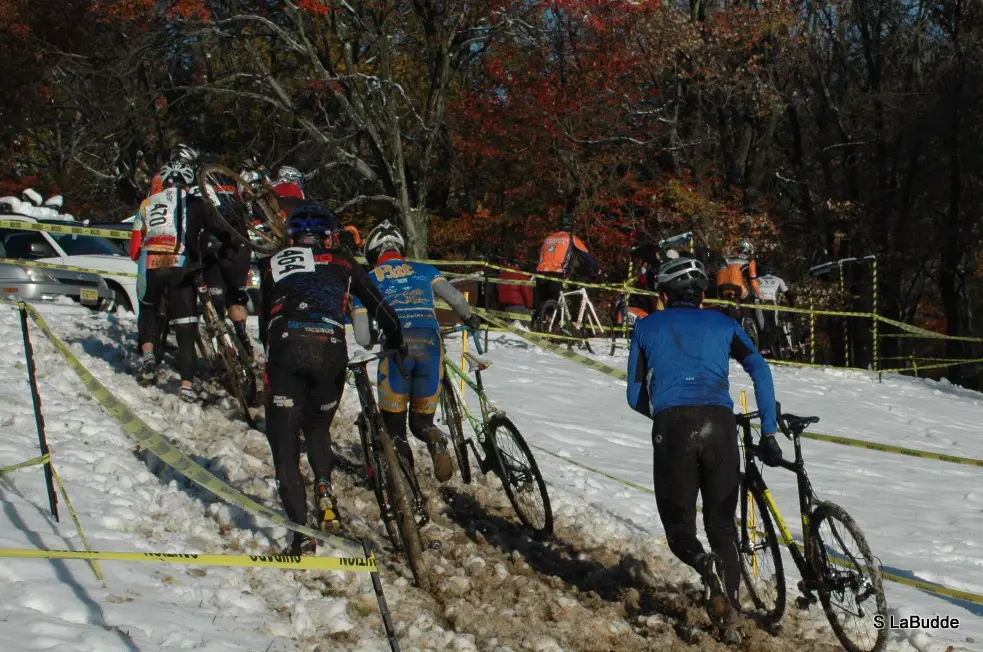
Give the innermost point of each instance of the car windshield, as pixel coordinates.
(86, 245)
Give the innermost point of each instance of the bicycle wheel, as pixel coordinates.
(247, 213)
(403, 512)
(549, 317)
(851, 587)
(454, 421)
(523, 483)
(751, 328)
(377, 479)
(394, 504)
(238, 376)
(761, 557)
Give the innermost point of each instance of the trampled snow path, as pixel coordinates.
(558, 405)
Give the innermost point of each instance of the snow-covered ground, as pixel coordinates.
(499, 591)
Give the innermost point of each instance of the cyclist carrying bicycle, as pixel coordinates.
(169, 234)
(307, 356)
(410, 288)
(678, 377)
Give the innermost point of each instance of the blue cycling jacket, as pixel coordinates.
(681, 357)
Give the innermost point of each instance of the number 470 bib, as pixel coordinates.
(291, 261)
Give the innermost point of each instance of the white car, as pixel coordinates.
(87, 251)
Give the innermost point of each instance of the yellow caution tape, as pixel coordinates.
(37, 461)
(921, 332)
(78, 523)
(288, 562)
(543, 342)
(70, 268)
(898, 450)
(21, 225)
(173, 457)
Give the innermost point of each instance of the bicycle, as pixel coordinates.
(499, 448)
(248, 212)
(555, 317)
(828, 573)
(382, 460)
(221, 348)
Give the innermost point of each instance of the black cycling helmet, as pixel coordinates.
(566, 222)
(385, 237)
(683, 279)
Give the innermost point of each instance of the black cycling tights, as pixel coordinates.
(305, 377)
(696, 451)
(181, 306)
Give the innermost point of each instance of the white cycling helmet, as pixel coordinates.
(177, 174)
(184, 154)
(683, 278)
(385, 237)
(287, 174)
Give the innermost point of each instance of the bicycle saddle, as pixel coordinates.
(798, 424)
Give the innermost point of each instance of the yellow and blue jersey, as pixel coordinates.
(408, 288)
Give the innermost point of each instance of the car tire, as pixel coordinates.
(122, 301)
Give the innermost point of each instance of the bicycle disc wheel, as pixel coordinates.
(523, 483)
(248, 215)
(455, 424)
(851, 587)
(761, 557)
(374, 466)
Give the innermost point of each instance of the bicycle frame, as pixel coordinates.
(488, 409)
(586, 310)
(807, 497)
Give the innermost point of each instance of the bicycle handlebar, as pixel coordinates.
(789, 424)
(462, 328)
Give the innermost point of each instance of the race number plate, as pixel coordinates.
(88, 295)
(159, 261)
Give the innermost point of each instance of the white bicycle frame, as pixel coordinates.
(586, 309)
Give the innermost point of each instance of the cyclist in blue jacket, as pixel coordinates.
(678, 377)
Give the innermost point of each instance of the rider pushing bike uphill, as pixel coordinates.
(410, 289)
(307, 354)
(169, 233)
(678, 377)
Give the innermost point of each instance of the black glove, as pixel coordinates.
(397, 344)
(473, 322)
(769, 451)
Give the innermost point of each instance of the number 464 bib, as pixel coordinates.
(291, 261)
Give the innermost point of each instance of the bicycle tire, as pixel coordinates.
(377, 478)
(548, 314)
(771, 605)
(819, 559)
(751, 328)
(542, 528)
(454, 421)
(393, 500)
(234, 214)
(409, 531)
(238, 377)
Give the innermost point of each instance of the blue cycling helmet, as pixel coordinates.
(312, 218)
